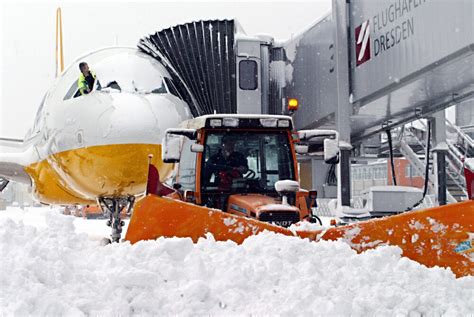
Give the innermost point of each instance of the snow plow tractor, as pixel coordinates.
(237, 175)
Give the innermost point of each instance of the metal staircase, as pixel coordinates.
(460, 145)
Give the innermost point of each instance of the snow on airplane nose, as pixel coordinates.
(136, 118)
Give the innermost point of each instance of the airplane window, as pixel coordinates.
(112, 84)
(72, 92)
(160, 90)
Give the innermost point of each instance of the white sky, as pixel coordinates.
(27, 38)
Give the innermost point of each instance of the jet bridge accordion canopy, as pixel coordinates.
(200, 57)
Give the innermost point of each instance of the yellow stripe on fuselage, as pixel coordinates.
(80, 176)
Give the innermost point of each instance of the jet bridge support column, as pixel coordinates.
(344, 107)
(440, 147)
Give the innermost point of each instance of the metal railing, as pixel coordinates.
(419, 165)
(454, 158)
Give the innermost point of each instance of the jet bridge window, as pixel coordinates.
(248, 75)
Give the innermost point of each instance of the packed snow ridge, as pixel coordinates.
(53, 269)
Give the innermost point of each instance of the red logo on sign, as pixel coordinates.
(362, 35)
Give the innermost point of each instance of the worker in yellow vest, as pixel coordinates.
(86, 80)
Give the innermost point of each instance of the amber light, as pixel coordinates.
(293, 104)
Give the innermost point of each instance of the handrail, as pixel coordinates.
(406, 150)
(454, 153)
(454, 164)
(459, 181)
(461, 133)
(453, 161)
(454, 156)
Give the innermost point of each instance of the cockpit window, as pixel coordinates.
(137, 75)
(124, 72)
(74, 92)
(112, 85)
(160, 90)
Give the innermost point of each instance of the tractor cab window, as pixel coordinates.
(246, 161)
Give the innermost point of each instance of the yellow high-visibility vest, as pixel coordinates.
(82, 82)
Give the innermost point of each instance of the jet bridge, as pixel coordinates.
(200, 57)
(370, 66)
(217, 67)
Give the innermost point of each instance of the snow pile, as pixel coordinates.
(54, 270)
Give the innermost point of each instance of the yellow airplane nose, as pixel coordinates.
(112, 157)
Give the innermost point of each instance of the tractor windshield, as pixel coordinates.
(246, 161)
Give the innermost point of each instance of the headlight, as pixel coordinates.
(231, 122)
(215, 123)
(268, 122)
(283, 123)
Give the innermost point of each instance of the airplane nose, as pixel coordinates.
(118, 133)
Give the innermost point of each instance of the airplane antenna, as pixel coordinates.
(59, 43)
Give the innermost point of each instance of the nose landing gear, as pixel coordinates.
(112, 208)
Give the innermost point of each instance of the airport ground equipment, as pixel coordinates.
(196, 204)
(268, 187)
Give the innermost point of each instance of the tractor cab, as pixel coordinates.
(244, 165)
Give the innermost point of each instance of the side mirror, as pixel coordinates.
(171, 148)
(317, 135)
(331, 151)
(301, 149)
(319, 141)
(197, 148)
(172, 142)
(189, 133)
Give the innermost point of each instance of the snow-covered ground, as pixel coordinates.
(51, 264)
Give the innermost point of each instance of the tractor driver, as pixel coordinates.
(227, 164)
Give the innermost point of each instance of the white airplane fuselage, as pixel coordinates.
(98, 144)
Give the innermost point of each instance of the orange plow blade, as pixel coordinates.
(441, 236)
(156, 216)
